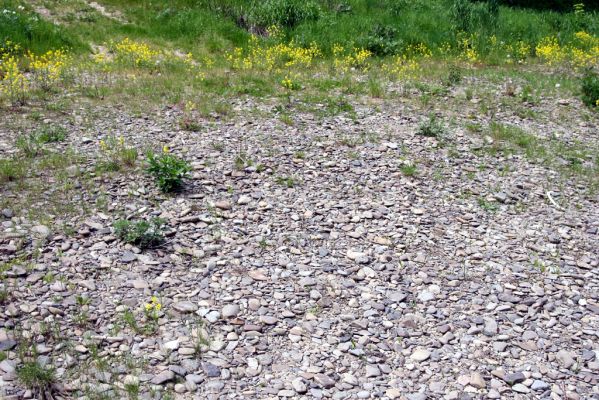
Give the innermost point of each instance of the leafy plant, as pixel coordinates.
(590, 89)
(167, 169)
(51, 134)
(431, 128)
(140, 233)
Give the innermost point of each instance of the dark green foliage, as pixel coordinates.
(168, 170)
(143, 233)
(381, 40)
(590, 89)
(454, 76)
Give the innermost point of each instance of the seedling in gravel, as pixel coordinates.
(487, 205)
(201, 338)
(287, 181)
(300, 155)
(129, 320)
(168, 170)
(3, 356)
(431, 128)
(242, 161)
(142, 234)
(408, 169)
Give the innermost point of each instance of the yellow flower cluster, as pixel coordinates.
(402, 67)
(13, 83)
(290, 83)
(193, 67)
(48, 68)
(153, 306)
(356, 58)
(275, 32)
(467, 47)
(103, 61)
(582, 53)
(272, 57)
(418, 50)
(549, 50)
(137, 53)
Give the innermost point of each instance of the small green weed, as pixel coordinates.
(487, 205)
(167, 169)
(140, 233)
(287, 181)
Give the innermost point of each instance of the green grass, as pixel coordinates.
(34, 376)
(31, 32)
(209, 26)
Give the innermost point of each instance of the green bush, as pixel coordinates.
(590, 89)
(142, 234)
(168, 170)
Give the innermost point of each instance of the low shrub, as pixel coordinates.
(142, 234)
